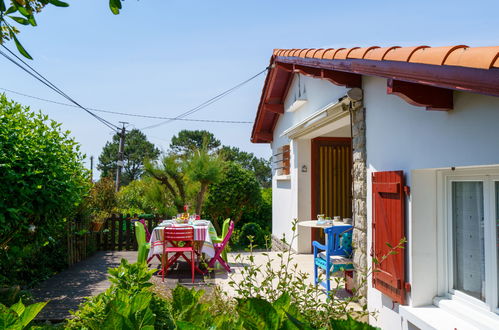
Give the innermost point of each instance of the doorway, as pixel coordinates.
(331, 179)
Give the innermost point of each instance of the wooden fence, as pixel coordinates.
(118, 233)
(79, 241)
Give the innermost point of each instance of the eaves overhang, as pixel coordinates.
(422, 76)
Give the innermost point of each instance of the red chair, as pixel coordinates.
(173, 236)
(219, 247)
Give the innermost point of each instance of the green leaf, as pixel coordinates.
(22, 10)
(18, 307)
(257, 314)
(32, 20)
(58, 3)
(115, 6)
(141, 301)
(20, 20)
(183, 325)
(11, 10)
(30, 312)
(20, 48)
(2, 5)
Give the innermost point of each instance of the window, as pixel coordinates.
(473, 238)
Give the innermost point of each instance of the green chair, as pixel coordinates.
(140, 234)
(219, 239)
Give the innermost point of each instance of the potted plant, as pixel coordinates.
(98, 220)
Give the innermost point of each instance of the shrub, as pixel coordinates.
(238, 190)
(251, 233)
(261, 213)
(42, 181)
(147, 196)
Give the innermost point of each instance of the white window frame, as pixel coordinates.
(445, 230)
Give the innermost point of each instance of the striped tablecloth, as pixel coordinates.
(204, 232)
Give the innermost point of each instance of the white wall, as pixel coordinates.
(292, 198)
(404, 137)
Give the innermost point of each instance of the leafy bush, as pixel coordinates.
(130, 304)
(251, 233)
(238, 190)
(102, 199)
(127, 304)
(146, 195)
(261, 213)
(42, 182)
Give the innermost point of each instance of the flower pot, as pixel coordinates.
(96, 226)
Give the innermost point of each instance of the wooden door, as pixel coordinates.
(332, 177)
(331, 180)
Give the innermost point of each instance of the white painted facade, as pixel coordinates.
(425, 145)
(291, 195)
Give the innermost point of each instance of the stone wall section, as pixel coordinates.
(359, 176)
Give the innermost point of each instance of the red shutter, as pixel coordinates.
(388, 227)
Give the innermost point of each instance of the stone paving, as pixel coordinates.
(69, 288)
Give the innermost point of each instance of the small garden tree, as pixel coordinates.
(42, 181)
(238, 190)
(170, 173)
(205, 169)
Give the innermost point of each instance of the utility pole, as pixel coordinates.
(91, 168)
(120, 155)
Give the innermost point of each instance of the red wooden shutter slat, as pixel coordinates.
(388, 227)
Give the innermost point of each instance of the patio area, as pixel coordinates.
(69, 288)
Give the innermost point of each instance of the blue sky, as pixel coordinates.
(162, 57)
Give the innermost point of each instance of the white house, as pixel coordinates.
(406, 142)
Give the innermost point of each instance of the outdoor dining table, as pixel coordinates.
(317, 233)
(204, 234)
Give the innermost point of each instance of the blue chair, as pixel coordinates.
(335, 255)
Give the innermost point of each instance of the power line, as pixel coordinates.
(38, 76)
(127, 114)
(208, 102)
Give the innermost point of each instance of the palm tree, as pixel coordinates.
(204, 168)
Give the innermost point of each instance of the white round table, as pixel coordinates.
(314, 224)
(315, 234)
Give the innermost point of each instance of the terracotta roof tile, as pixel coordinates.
(459, 55)
(302, 52)
(310, 52)
(318, 53)
(402, 54)
(343, 53)
(360, 53)
(433, 55)
(329, 53)
(378, 54)
(474, 57)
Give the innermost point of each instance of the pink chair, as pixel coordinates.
(219, 247)
(173, 236)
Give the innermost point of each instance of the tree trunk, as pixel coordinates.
(239, 214)
(200, 197)
(217, 225)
